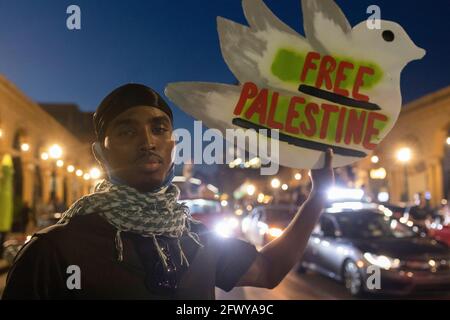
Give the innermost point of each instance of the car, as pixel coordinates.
(354, 240)
(215, 217)
(265, 223)
(440, 233)
(434, 227)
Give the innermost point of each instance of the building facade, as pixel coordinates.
(422, 132)
(50, 162)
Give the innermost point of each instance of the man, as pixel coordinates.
(131, 239)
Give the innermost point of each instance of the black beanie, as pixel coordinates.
(123, 98)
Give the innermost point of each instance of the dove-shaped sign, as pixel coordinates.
(339, 87)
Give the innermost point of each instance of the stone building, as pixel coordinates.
(50, 161)
(423, 128)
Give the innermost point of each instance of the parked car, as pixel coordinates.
(350, 238)
(440, 233)
(265, 223)
(432, 226)
(213, 216)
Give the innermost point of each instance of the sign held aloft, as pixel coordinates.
(339, 87)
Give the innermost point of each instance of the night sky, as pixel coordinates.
(159, 41)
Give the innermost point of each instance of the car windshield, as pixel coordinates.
(366, 225)
(202, 206)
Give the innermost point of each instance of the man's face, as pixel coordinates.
(138, 147)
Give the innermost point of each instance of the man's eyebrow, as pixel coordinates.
(126, 121)
(130, 121)
(160, 119)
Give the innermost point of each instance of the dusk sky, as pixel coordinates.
(159, 41)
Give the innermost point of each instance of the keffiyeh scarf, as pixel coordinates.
(147, 214)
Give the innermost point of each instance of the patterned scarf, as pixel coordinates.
(147, 214)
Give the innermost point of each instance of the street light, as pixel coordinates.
(25, 147)
(55, 151)
(404, 155)
(44, 156)
(284, 186)
(95, 173)
(70, 168)
(374, 159)
(59, 163)
(448, 141)
(379, 173)
(260, 198)
(275, 183)
(298, 176)
(79, 173)
(251, 189)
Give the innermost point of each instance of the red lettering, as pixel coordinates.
(309, 65)
(258, 106)
(355, 127)
(340, 76)
(309, 110)
(249, 91)
(273, 107)
(359, 81)
(327, 108)
(292, 114)
(340, 124)
(371, 130)
(327, 66)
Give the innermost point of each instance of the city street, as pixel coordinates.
(138, 151)
(309, 286)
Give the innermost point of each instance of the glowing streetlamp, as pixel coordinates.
(44, 156)
(374, 159)
(251, 189)
(70, 168)
(297, 176)
(95, 173)
(25, 147)
(448, 141)
(275, 183)
(79, 173)
(404, 156)
(284, 187)
(59, 163)
(55, 151)
(260, 198)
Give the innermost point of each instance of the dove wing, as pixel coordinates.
(250, 52)
(259, 17)
(325, 25)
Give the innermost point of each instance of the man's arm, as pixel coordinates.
(277, 258)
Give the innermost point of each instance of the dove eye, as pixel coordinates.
(388, 35)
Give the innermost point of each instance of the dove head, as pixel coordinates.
(390, 44)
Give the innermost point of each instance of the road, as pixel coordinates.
(309, 286)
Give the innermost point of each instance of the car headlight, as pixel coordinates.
(382, 261)
(275, 232)
(226, 227)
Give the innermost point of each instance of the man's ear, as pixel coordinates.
(98, 153)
